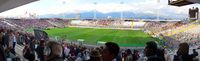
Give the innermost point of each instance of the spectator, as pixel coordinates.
(13, 39)
(136, 55)
(110, 51)
(167, 56)
(27, 38)
(28, 54)
(152, 52)
(183, 53)
(123, 56)
(40, 50)
(53, 51)
(119, 57)
(6, 39)
(20, 39)
(32, 44)
(129, 57)
(82, 55)
(195, 53)
(95, 56)
(72, 55)
(1, 36)
(77, 49)
(32, 58)
(66, 51)
(2, 53)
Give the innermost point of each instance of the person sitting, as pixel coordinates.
(82, 55)
(53, 51)
(183, 53)
(152, 52)
(95, 56)
(129, 57)
(136, 55)
(195, 54)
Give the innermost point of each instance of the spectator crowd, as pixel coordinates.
(50, 50)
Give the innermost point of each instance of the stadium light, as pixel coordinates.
(158, 1)
(121, 10)
(63, 3)
(95, 11)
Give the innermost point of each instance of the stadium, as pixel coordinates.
(93, 33)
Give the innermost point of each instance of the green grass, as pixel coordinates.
(91, 35)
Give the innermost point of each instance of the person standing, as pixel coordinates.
(2, 53)
(14, 40)
(40, 50)
(1, 36)
(6, 38)
(32, 43)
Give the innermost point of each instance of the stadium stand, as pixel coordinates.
(184, 32)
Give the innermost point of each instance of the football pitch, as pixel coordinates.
(126, 38)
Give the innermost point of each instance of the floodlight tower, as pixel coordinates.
(95, 11)
(78, 15)
(158, 14)
(63, 3)
(121, 10)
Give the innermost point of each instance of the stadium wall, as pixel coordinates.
(105, 23)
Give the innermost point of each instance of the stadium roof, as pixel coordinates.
(182, 2)
(10, 4)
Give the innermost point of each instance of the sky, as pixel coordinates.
(44, 7)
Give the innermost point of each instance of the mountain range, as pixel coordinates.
(99, 15)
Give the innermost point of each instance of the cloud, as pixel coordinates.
(72, 6)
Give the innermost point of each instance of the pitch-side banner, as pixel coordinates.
(39, 34)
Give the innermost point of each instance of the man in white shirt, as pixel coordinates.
(13, 40)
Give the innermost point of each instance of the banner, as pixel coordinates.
(40, 34)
